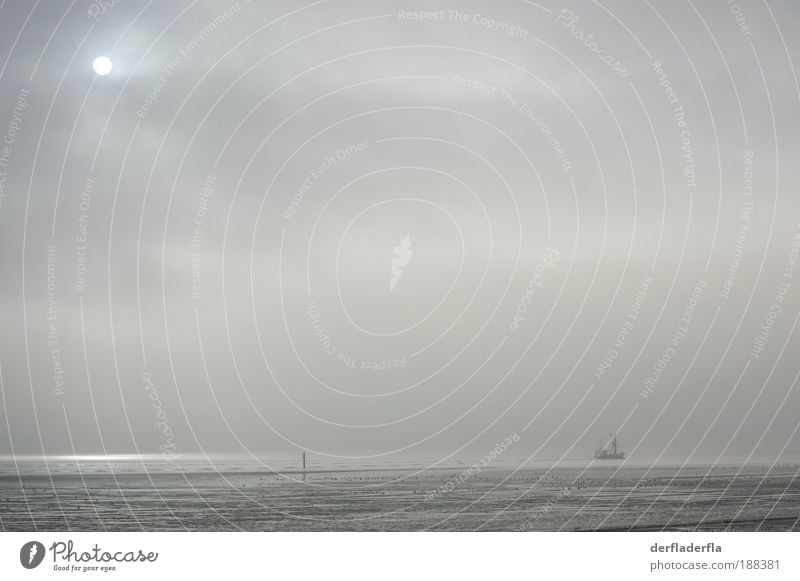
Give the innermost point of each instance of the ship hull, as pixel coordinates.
(609, 456)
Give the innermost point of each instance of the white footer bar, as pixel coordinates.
(406, 556)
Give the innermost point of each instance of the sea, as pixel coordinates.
(272, 492)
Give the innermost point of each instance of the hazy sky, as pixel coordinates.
(356, 228)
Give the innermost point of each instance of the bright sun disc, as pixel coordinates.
(102, 65)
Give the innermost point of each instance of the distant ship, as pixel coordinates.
(609, 451)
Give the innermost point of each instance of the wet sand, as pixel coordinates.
(598, 497)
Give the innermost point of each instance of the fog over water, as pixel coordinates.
(383, 232)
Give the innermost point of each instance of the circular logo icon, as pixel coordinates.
(31, 554)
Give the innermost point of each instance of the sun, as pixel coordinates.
(102, 65)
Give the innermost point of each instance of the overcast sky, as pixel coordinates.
(355, 229)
